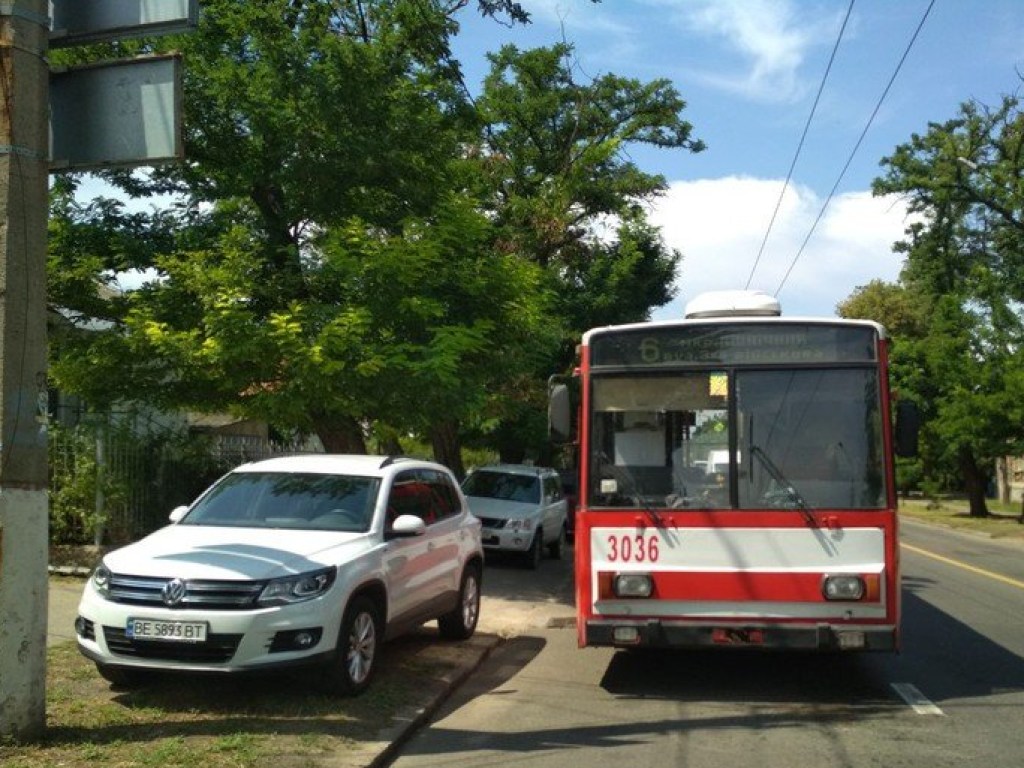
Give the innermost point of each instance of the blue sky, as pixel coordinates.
(749, 71)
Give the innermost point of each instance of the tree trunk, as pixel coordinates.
(390, 446)
(444, 437)
(341, 435)
(512, 454)
(974, 483)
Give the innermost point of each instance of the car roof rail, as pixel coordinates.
(389, 460)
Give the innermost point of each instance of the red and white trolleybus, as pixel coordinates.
(736, 481)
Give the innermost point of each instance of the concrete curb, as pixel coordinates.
(71, 571)
(382, 751)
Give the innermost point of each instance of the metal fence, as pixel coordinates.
(111, 487)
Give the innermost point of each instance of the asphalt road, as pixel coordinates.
(953, 697)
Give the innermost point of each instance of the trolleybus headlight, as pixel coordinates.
(843, 587)
(633, 585)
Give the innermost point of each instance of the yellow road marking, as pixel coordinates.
(980, 571)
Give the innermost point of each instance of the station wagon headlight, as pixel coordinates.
(296, 589)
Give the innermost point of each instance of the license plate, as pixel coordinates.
(851, 640)
(157, 629)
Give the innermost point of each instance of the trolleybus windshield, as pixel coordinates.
(796, 438)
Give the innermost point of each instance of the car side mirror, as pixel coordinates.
(177, 513)
(560, 411)
(405, 527)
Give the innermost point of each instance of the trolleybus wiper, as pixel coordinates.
(789, 492)
(620, 473)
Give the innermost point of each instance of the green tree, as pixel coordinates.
(963, 263)
(325, 140)
(563, 192)
(905, 318)
(327, 269)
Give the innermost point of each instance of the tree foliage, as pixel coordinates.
(563, 192)
(961, 355)
(358, 244)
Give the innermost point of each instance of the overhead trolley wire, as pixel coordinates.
(800, 145)
(856, 146)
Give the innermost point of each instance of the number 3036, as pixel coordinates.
(633, 549)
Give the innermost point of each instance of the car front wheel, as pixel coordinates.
(356, 654)
(460, 623)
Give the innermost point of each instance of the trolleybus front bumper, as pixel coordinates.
(654, 633)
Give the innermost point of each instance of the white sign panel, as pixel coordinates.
(122, 113)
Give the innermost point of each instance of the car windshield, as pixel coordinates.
(503, 485)
(305, 501)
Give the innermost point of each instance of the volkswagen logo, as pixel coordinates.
(173, 592)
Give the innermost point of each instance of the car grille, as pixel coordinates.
(216, 649)
(210, 595)
(494, 523)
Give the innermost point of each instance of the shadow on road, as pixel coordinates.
(946, 658)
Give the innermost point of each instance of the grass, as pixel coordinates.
(1003, 521)
(204, 722)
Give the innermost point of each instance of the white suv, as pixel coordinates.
(522, 508)
(290, 561)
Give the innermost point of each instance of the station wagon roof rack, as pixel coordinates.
(389, 460)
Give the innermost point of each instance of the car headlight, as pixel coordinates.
(101, 579)
(296, 589)
(520, 524)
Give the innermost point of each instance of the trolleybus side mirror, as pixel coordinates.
(908, 425)
(560, 411)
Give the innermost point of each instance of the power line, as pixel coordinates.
(800, 145)
(856, 146)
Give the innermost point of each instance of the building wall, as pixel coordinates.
(1010, 478)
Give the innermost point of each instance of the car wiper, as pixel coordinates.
(633, 488)
(787, 492)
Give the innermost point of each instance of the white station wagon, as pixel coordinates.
(305, 560)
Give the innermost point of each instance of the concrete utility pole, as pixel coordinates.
(24, 517)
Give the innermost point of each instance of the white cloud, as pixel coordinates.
(719, 225)
(770, 37)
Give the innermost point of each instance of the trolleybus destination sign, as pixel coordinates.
(748, 343)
